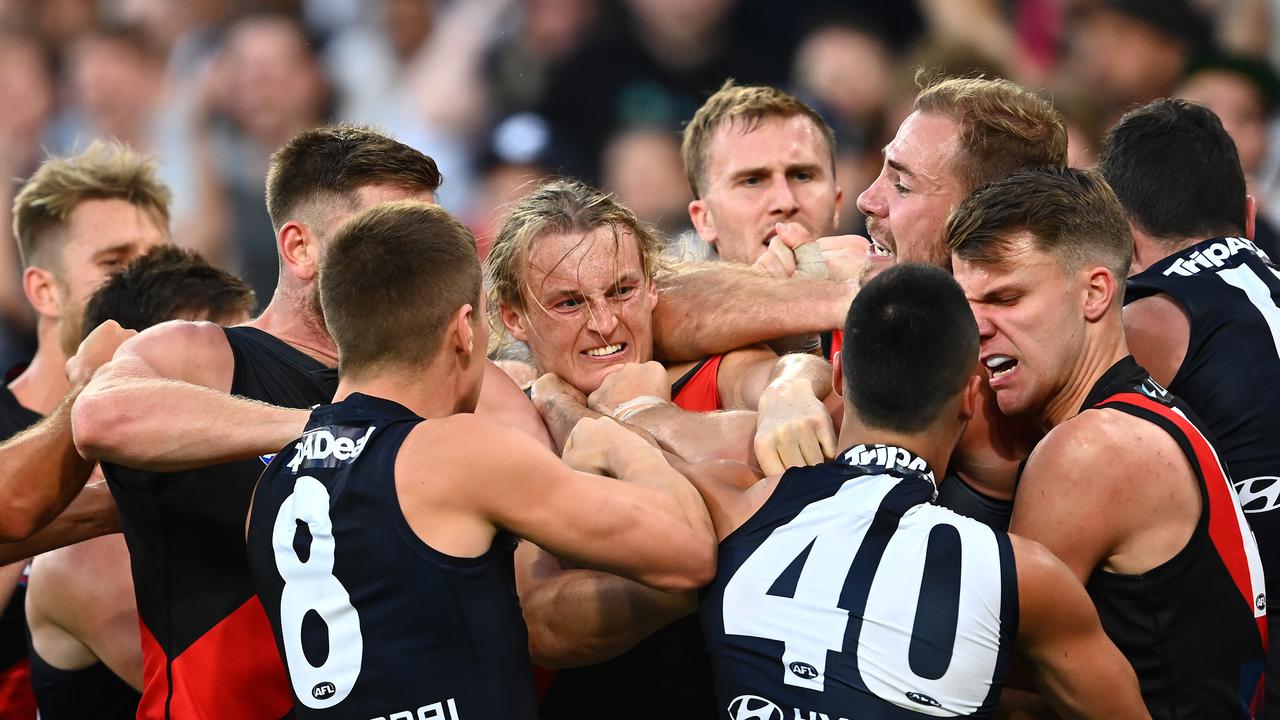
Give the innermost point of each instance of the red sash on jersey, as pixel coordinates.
(702, 391)
(837, 342)
(17, 700)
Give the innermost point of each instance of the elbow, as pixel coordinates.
(95, 420)
(545, 649)
(697, 568)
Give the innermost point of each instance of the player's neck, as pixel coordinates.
(429, 393)
(932, 445)
(291, 318)
(44, 383)
(1100, 353)
(1148, 250)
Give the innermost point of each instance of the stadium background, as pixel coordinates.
(503, 92)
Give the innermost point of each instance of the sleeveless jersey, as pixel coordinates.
(1230, 291)
(371, 621)
(848, 595)
(17, 702)
(206, 644)
(1195, 627)
(667, 674)
(91, 692)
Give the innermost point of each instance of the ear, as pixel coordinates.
(837, 375)
(703, 222)
(514, 321)
(299, 250)
(41, 290)
(1099, 293)
(969, 400)
(1250, 216)
(835, 217)
(464, 331)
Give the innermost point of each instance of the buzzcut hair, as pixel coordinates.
(1003, 126)
(910, 347)
(391, 280)
(1070, 213)
(167, 283)
(1176, 172)
(327, 165)
(745, 106)
(104, 171)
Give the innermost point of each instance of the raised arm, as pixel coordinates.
(42, 471)
(649, 524)
(1079, 669)
(502, 400)
(709, 308)
(162, 404)
(797, 408)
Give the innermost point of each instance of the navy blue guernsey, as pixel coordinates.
(848, 595)
(370, 620)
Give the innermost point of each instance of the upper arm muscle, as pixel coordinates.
(1158, 331)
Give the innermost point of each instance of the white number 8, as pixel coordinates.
(311, 586)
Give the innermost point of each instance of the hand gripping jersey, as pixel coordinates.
(16, 699)
(848, 595)
(371, 621)
(1194, 628)
(1230, 376)
(207, 650)
(667, 674)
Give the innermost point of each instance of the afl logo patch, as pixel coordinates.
(803, 670)
(922, 699)
(323, 690)
(1260, 602)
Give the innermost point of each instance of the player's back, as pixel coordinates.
(372, 621)
(847, 595)
(207, 649)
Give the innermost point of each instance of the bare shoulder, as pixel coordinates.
(1158, 331)
(465, 442)
(1104, 448)
(192, 351)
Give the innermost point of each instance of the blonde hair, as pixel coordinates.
(104, 171)
(559, 207)
(1003, 126)
(746, 104)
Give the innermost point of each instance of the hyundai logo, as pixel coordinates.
(753, 707)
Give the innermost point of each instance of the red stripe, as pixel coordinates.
(702, 392)
(1224, 523)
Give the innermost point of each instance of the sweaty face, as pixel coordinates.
(1031, 326)
(587, 305)
(780, 171)
(102, 236)
(908, 204)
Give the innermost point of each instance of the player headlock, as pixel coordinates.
(1126, 488)
(842, 592)
(381, 542)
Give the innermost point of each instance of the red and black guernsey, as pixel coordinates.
(668, 674)
(17, 702)
(1194, 628)
(207, 647)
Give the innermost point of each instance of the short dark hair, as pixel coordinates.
(910, 346)
(1068, 212)
(329, 164)
(390, 281)
(167, 283)
(1176, 171)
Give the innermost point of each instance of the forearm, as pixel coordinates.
(711, 308)
(697, 437)
(561, 413)
(579, 617)
(91, 514)
(648, 467)
(42, 473)
(809, 370)
(166, 425)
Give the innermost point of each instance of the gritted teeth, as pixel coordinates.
(880, 250)
(605, 350)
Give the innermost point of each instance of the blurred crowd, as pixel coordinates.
(504, 92)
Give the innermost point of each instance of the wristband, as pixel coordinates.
(635, 405)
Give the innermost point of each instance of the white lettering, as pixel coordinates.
(321, 444)
(443, 710)
(1212, 257)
